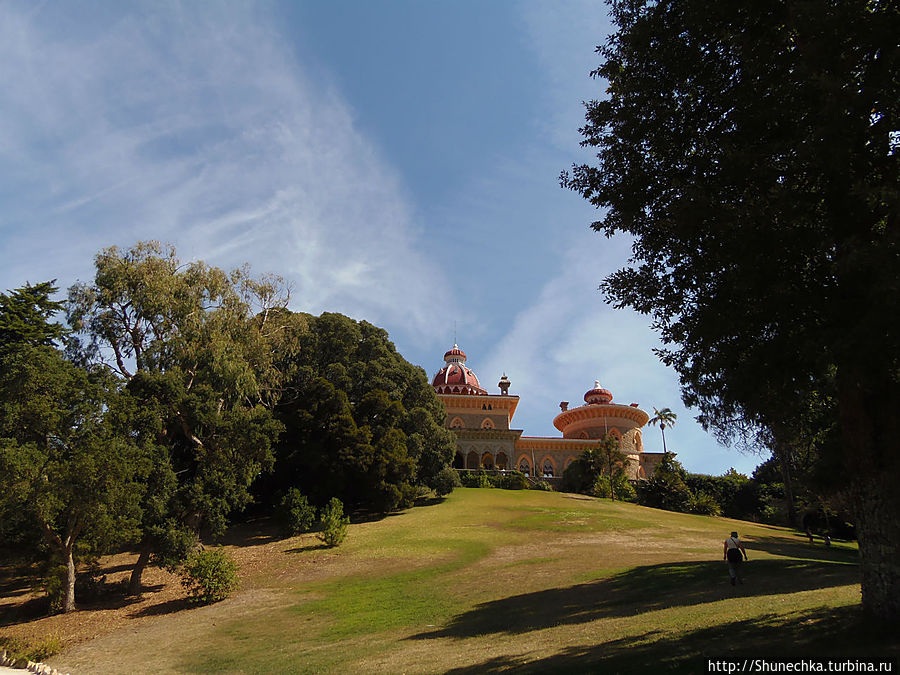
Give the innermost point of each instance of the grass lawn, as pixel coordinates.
(494, 581)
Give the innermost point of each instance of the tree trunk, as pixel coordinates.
(69, 604)
(134, 583)
(784, 464)
(870, 426)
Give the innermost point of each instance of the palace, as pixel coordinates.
(485, 439)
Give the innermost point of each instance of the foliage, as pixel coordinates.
(736, 495)
(66, 456)
(209, 575)
(25, 317)
(361, 423)
(21, 651)
(514, 480)
(663, 418)
(666, 488)
(296, 513)
(445, 481)
(475, 479)
(600, 468)
(617, 485)
(334, 523)
(704, 504)
(752, 154)
(541, 484)
(191, 342)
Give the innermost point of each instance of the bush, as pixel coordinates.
(704, 504)
(540, 484)
(476, 480)
(209, 575)
(445, 481)
(295, 513)
(53, 584)
(21, 651)
(514, 480)
(621, 486)
(334, 523)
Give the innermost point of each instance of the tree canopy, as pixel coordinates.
(361, 423)
(190, 341)
(67, 459)
(753, 152)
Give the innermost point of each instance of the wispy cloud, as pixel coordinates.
(195, 125)
(568, 337)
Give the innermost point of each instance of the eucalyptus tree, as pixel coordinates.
(190, 341)
(751, 150)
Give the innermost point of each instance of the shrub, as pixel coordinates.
(540, 484)
(704, 504)
(514, 480)
(621, 488)
(21, 651)
(334, 523)
(445, 481)
(209, 575)
(476, 480)
(53, 583)
(295, 513)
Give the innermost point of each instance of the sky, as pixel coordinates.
(394, 160)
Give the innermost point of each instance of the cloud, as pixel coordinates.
(568, 337)
(180, 123)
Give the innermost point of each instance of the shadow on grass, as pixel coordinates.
(802, 549)
(821, 633)
(640, 590)
(168, 607)
(309, 547)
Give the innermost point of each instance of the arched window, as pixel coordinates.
(638, 441)
(487, 423)
(548, 469)
(490, 407)
(502, 461)
(472, 460)
(457, 423)
(458, 461)
(569, 460)
(524, 466)
(487, 461)
(584, 434)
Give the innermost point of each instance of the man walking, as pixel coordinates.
(735, 553)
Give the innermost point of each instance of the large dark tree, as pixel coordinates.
(361, 423)
(752, 149)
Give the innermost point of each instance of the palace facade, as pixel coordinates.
(482, 423)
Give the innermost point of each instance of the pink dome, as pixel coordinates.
(456, 377)
(598, 395)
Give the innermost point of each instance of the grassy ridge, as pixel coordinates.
(493, 580)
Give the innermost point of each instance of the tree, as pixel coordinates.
(603, 466)
(361, 423)
(662, 418)
(25, 317)
(752, 152)
(666, 488)
(192, 344)
(66, 456)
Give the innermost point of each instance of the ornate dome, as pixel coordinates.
(598, 395)
(455, 377)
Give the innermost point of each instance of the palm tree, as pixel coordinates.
(662, 418)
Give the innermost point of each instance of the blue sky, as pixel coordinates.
(396, 161)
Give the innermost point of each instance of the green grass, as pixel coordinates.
(495, 580)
